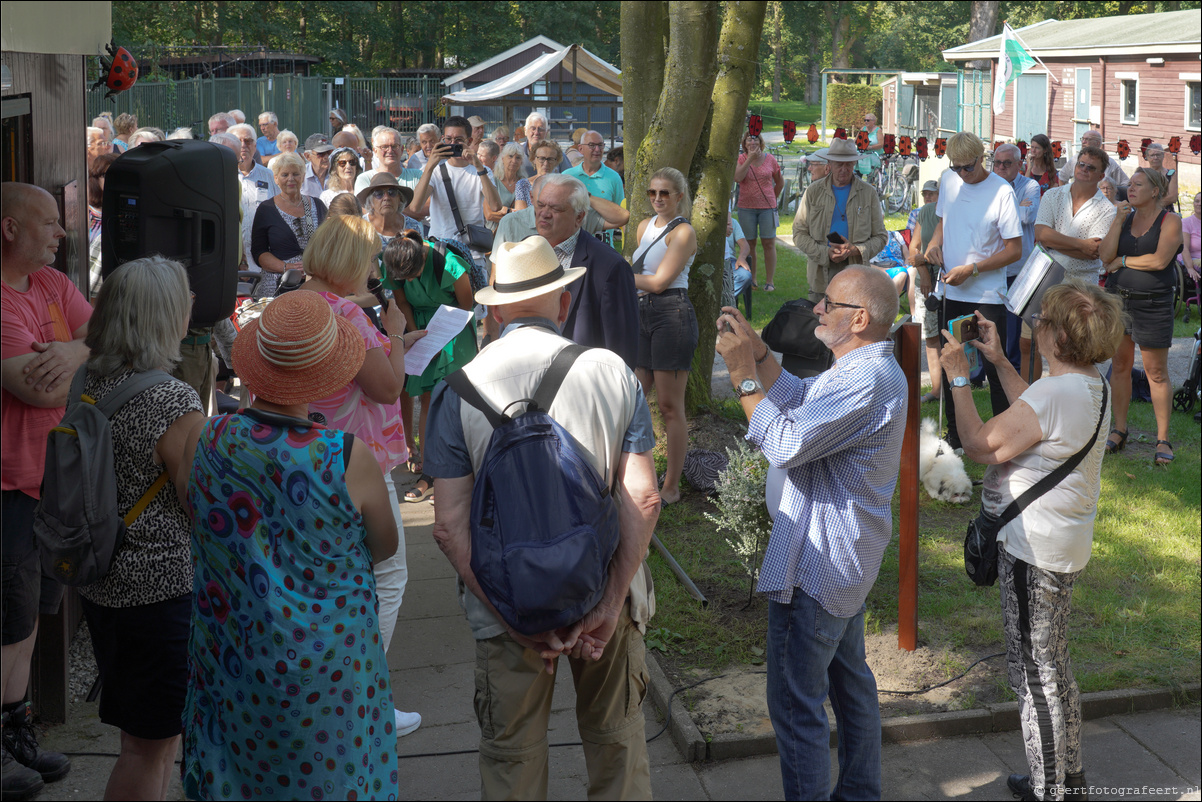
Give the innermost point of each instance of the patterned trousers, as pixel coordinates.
(1035, 607)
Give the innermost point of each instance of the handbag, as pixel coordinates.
(980, 541)
(477, 237)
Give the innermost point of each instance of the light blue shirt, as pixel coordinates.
(732, 241)
(1025, 189)
(605, 183)
(839, 215)
(839, 435)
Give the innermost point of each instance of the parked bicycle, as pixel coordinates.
(894, 183)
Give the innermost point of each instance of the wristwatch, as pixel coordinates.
(746, 387)
(960, 381)
(975, 271)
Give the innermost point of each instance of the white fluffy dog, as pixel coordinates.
(941, 471)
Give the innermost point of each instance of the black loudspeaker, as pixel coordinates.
(178, 199)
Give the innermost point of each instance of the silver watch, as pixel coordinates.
(960, 381)
(746, 387)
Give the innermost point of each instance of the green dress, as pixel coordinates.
(425, 294)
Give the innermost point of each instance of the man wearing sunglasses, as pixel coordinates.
(317, 154)
(978, 235)
(1008, 162)
(1114, 171)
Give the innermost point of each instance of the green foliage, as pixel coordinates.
(741, 508)
(846, 105)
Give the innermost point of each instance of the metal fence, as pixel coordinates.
(302, 103)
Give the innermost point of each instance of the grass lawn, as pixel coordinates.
(1134, 620)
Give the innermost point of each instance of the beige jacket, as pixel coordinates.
(865, 226)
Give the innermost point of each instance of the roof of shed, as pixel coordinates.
(1165, 32)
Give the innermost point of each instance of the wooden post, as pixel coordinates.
(908, 343)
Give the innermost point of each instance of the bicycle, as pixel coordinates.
(894, 185)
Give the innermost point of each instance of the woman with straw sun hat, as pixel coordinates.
(285, 662)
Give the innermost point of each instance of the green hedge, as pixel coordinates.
(846, 105)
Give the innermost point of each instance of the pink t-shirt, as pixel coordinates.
(380, 426)
(49, 311)
(756, 190)
(1191, 232)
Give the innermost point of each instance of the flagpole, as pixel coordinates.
(1030, 52)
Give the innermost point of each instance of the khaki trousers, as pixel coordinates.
(513, 706)
(195, 366)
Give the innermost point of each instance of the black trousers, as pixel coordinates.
(995, 314)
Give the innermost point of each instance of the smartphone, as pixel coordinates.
(835, 239)
(725, 326)
(457, 150)
(965, 329)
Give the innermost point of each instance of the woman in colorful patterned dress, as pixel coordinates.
(288, 691)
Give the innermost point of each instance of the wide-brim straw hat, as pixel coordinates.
(381, 180)
(843, 150)
(298, 350)
(526, 269)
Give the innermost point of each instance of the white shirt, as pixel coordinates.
(977, 220)
(257, 186)
(1093, 219)
(365, 178)
(468, 196)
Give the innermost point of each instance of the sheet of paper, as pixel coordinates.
(442, 328)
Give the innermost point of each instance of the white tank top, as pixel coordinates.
(656, 255)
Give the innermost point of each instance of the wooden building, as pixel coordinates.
(1131, 77)
(919, 104)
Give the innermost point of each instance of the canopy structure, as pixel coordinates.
(577, 62)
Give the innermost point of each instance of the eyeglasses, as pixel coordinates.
(388, 147)
(458, 140)
(1005, 165)
(662, 194)
(1036, 318)
(593, 145)
(826, 299)
(546, 159)
(965, 168)
(1089, 168)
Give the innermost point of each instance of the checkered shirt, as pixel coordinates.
(839, 435)
(565, 250)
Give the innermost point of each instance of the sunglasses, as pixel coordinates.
(826, 299)
(965, 168)
(662, 194)
(1005, 165)
(346, 162)
(388, 192)
(1089, 168)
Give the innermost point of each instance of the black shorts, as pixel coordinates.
(667, 330)
(142, 654)
(26, 590)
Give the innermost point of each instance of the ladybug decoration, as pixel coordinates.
(998, 144)
(790, 130)
(1122, 149)
(1022, 148)
(920, 147)
(1143, 146)
(812, 134)
(862, 141)
(755, 124)
(889, 145)
(940, 147)
(903, 146)
(117, 74)
(840, 133)
(1057, 149)
(1174, 145)
(1195, 144)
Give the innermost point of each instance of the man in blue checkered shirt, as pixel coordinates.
(839, 436)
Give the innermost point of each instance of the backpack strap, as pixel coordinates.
(467, 392)
(147, 497)
(126, 390)
(544, 395)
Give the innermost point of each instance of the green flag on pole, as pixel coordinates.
(1013, 61)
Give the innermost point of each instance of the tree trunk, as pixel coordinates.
(840, 24)
(982, 24)
(712, 174)
(777, 50)
(644, 32)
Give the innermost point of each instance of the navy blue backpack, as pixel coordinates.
(544, 523)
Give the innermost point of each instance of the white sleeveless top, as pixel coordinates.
(656, 255)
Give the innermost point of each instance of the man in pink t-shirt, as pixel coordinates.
(44, 322)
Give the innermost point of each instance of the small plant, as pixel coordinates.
(663, 639)
(741, 508)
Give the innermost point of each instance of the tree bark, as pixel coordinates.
(644, 32)
(712, 174)
(982, 24)
(777, 23)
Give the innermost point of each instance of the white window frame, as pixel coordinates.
(1188, 79)
(1123, 77)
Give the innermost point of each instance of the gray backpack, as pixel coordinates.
(77, 523)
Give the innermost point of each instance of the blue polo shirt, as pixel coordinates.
(266, 147)
(605, 183)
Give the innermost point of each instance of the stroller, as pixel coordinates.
(1186, 398)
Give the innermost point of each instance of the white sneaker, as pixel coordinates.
(407, 723)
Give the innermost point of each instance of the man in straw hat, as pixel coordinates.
(839, 220)
(601, 405)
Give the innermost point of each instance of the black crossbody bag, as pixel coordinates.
(476, 237)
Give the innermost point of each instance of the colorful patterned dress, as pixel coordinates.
(288, 695)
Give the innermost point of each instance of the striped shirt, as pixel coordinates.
(839, 434)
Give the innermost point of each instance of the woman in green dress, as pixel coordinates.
(423, 277)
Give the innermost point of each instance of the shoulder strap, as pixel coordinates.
(1057, 476)
(544, 394)
(440, 258)
(76, 394)
(446, 179)
(467, 392)
(147, 497)
(638, 263)
(128, 389)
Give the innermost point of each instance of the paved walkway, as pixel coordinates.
(432, 662)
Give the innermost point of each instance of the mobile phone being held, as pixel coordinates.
(835, 238)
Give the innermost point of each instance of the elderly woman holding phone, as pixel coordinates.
(1042, 550)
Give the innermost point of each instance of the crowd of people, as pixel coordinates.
(266, 653)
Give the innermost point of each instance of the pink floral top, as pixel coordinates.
(757, 190)
(378, 425)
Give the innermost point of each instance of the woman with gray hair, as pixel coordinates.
(283, 224)
(138, 614)
(1154, 156)
(512, 188)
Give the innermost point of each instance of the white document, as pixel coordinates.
(442, 328)
(1028, 280)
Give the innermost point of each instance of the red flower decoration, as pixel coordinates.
(862, 141)
(1122, 149)
(903, 146)
(812, 134)
(921, 147)
(755, 125)
(840, 133)
(1195, 144)
(890, 144)
(1174, 144)
(1022, 148)
(790, 129)
(940, 147)
(1057, 149)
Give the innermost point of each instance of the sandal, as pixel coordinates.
(414, 463)
(417, 492)
(1162, 459)
(929, 397)
(1111, 446)
(770, 287)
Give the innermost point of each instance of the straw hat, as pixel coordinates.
(298, 350)
(381, 180)
(843, 150)
(526, 269)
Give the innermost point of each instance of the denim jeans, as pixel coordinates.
(813, 654)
